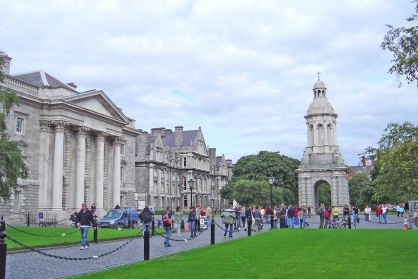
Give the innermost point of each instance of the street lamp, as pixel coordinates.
(271, 181)
(137, 201)
(191, 183)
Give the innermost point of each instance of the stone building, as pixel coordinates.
(80, 147)
(167, 160)
(322, 161)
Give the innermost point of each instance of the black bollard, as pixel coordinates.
(301, 223)
(129, 220)
(95, 229)
(271, 222)
(212, 232)
(3, 249)
(249, 222)
(146, 242)
(153, 226)
(28, 220)
(349, 221)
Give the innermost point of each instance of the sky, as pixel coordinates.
(242, 70)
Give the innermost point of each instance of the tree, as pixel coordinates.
(12, 162)
(258, 168)
(403, 43)
(356, 184)
(324, 193)
(395, 172)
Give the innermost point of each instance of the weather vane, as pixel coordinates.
(318, 74)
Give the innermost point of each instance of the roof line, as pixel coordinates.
(44, 80)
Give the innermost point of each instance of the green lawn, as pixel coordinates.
(289, 254)
(40, 236)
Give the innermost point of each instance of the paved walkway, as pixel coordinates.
(25, 265)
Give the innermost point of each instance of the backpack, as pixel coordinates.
(166, 221)
(326, 213)
(146, 216)
(318, 211)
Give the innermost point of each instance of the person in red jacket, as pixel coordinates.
(379, 212)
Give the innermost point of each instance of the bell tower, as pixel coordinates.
(322, 161)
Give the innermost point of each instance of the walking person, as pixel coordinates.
(384, 213)
(367, 212)
(228, 218)
(192, 221)
(257, 218)
(290, 214)
(243, 217)
(83, 220)
(146, 217)
(304, 214)
(321, 211)
(166, 220)
(209, 215)
(178, 218)
(379, 213)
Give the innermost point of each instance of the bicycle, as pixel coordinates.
(43, 223)
(344, 224)
(336, 224)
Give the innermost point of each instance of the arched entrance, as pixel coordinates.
(322, 193)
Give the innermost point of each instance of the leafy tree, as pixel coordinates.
(356, 184)
(395, 173)
(12, 162)
(258, 168)
(324, 193)
(403, 43)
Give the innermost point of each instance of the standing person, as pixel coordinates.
(402, 209)
(355, 214)
(209, 215)
(327, 217)
(117, 206)
(166, 220)
(228, 217)
(243, 217)
(379, 213)
(321, 211)
(304, 214)
(197, 223)
(398, 210)
(270, 213)
(367, 212)
(178, 218)
(257, 218)
(93, 208)
(83, 220)
(384, 213)
(334, 213)
(290, 214)
(192, 221)
(146, 217)
(309, 211)
(237, 220)
(346, 213)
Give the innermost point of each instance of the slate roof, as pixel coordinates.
(170, 140)
(43, 80)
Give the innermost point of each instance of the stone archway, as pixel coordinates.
(326, 189)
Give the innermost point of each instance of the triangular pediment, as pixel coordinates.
(98, 102)
(199, 143)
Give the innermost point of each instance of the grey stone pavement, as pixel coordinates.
(24, 265)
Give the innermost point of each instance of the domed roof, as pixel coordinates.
(319, 85)
(320, 106)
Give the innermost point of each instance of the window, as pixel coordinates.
(122, 175)
(122, 149)
(184, 161)
(185, 202)
(20, 125)
(16, 201)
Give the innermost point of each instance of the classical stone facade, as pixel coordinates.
(80, 147)
(167, 160)
(322, 161)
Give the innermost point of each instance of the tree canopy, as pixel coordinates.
(403, 43)
(12, 162)
(249, 181)
(395, 172)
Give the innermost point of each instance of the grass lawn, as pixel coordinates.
(40, 236)
(289, 254)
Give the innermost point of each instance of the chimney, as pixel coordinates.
(5, 68)
(363, 160)
(178, 134)
(71, 84)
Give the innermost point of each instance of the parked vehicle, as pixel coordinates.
(119, 218)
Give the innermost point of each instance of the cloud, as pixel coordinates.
(242, 70)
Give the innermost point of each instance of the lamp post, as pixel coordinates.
(191, 183)
(137, 201)
(271, 181)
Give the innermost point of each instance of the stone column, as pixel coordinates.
(100, 170)
(43, 163)
(116, 171)
(58, 165)
(81, 165)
